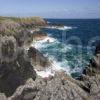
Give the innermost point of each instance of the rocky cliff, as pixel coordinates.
(63, 87)
(91, 75)
(19, 81)
(15, 64)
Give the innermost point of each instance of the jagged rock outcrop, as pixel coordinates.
(39, 35)
(91, 76)
(58, 87)
(94, 67)
(15, 64)
(38, 21)
(21, 28)
(15, 67)
(37, 58)
(62, 87)
(23, 37)
(18, 80)
(54, 88)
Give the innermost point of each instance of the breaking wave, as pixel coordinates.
(60, 27)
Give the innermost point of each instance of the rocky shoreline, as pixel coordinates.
(18, 78)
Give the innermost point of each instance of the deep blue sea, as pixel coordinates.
(74, 44)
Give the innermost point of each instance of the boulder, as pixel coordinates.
(37, 58)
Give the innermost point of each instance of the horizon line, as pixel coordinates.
(45, 17)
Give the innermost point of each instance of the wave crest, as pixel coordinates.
(60, 27)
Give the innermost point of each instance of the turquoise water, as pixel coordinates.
(71, 48)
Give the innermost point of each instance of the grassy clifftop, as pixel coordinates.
(20, 27)
(10, 24)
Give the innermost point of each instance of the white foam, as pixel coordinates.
(55, 67)
(65, 28)
(44, 74)
(66, 48)
(48, 22)
(42, 43)
(60, 27)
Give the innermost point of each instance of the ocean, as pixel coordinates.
(72, 46)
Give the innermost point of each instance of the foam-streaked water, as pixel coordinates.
(68, 55)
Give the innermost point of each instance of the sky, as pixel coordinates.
(51, 8)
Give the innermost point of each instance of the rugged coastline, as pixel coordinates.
(18, 78)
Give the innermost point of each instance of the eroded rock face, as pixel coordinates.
(15, 68)
(23, 37)
(15, 65)
(94, 66)
(18, 79)
(60, 87)
(39, 36)
(91, 77)
(56, 88)
(37, 58)
(8, 48)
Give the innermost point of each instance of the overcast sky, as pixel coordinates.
(51, 8)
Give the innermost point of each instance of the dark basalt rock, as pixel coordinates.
(97, 51)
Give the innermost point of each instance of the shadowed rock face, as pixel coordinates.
(15, 69)
(91, 77)
(15, 66)
(97, 51)
(94, 66)
(38, 58)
